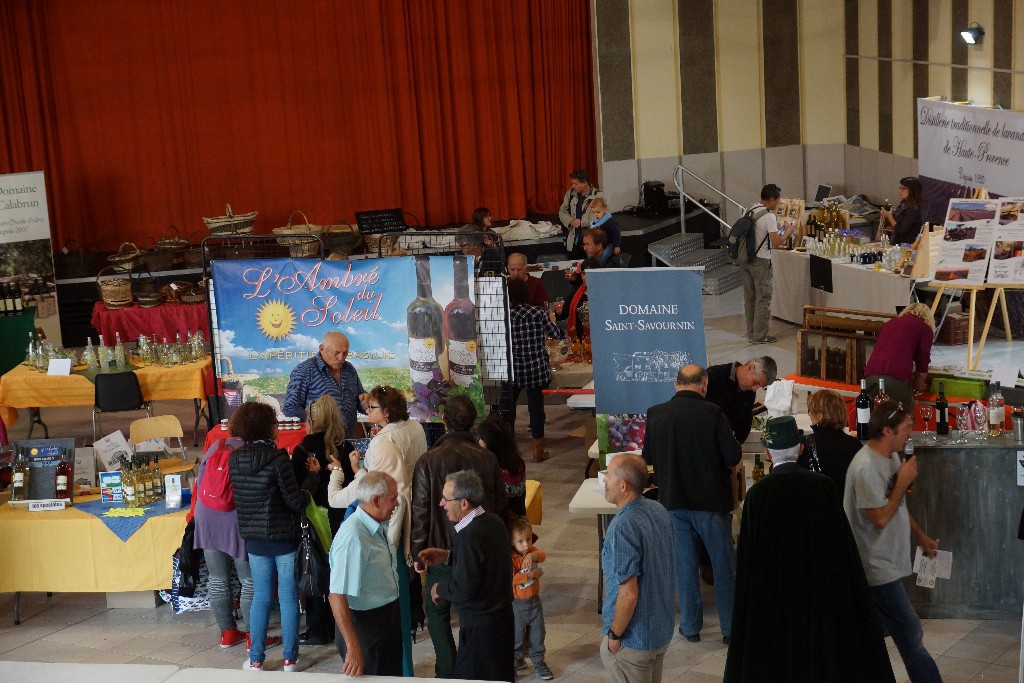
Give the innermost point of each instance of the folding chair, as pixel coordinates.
(116, 393)
(159, 427)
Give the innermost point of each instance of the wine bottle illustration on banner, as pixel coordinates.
(424, 316)
(460, 328)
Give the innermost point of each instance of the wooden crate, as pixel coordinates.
(954, 329)
(832, 356)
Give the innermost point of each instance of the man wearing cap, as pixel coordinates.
(690, 444)
(757, 275)
(876, 483)
(796, 565)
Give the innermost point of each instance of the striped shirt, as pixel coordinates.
(635, 545)
(311, 379)
(470, 516)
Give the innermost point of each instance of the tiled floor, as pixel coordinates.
(79, 628)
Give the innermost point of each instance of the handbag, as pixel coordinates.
(188, 561)
(312, 570)
(814, 464)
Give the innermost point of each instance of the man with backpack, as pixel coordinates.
(755, 260)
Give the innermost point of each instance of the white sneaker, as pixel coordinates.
(291, 664)
(252, 666)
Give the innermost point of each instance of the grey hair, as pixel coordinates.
(468, 486)
(766, 366)
(333, 334)
(691, 376)
(516, 256)
(371, 485)
(633, 471)
(781, 455)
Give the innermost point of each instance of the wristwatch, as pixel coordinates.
(612, 635)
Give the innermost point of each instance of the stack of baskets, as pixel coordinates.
(306, 244)
(194, 254)
(231, 224)
(115, 292)
(128, 258)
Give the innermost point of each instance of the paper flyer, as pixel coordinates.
(929, 569)
(966, 241)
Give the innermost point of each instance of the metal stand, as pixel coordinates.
(35, 416)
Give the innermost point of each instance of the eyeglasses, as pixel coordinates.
(449, 500)
(373, 407)
(899, 409)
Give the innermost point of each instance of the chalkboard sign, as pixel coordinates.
(43, 456)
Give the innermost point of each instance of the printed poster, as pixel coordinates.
(967, 240)
(421, 339)
(645, 324)
(1007, 264)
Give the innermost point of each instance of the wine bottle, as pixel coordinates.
(757, 473)
(9, 298)
(128, 484)
(119, 359)
(881, 395)
(941, 412)
(64, 478)
(20, 475)
(158, 477)
(908, 453)
(996, 411)
(19, 305)
(3, 299)
(460, 328)
(425, 321)
(147, 480)
(863, 411)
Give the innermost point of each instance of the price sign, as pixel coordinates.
(44, 505)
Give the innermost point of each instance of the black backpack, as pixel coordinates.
(740, 245)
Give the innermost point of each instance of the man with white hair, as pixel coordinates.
(538, 293)
(799, 579)
(364, 583)
(330, 373)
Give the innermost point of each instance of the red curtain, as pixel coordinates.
(146, 114)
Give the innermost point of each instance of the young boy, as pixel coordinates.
(529, 613)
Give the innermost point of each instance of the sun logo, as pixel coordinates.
(275, 319)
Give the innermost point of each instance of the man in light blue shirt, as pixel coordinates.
(364, 583)
(639, 577)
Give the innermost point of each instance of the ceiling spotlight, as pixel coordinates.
(973, 34)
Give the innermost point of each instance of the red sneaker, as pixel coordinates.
(271, 641)
(231, 638)
(290, 664)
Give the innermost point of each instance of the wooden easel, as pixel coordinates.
(998, 297)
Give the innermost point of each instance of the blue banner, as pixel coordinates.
(645, 324)
(271, 315)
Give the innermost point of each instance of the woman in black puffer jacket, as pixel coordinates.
(269, 504)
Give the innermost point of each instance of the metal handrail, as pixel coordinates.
(678, 179)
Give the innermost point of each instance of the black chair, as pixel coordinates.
(115, 393)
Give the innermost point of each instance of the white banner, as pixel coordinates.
(972, 147)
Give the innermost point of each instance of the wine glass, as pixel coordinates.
(980, 421)
(927, 412)
(961, 426)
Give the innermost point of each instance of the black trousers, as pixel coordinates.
(380, 636)
(487, 650)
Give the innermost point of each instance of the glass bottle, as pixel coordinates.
(757, 473)
(20, 475)
(941, 412)
(119, 359)
(147, 481)
(425, 320)
(103, 355)
(128, 484)
(996, 411)
(158, 477)
(19, 304)
(881, 396)
(64, 478)
(863, 411)
(460, 328)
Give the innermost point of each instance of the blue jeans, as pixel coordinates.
(264, 570)
(715, 530)
(902, 623)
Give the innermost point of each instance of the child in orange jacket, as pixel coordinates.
(526, 605)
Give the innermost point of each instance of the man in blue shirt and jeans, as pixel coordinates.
(639, 571)
(326, 373)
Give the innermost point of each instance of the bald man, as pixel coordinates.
(537, 292)
(330, 373)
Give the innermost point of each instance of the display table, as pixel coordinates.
(967, 497)
(572, 376)
(854, 287)
(287, 439)
(589, 500)
(163, 321)
(24, 388)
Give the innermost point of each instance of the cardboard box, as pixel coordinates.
(954, 329)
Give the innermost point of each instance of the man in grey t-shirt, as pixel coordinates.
(876, 482)
(756, 276)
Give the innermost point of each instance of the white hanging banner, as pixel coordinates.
(23, 210)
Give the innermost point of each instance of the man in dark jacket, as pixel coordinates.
(692, 448)
(456, 450)
(733, 386)
(794, 527)
(480, 582)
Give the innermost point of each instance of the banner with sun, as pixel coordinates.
(410, 322)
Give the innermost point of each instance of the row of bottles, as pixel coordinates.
(442, 339)
(996, 409)
(142, 481)
(22, 472)
(11, 302)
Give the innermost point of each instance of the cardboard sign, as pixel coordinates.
(110, 449)
(110, 487)
(44, 505)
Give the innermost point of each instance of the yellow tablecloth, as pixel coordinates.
(24, 388)
(534, 502)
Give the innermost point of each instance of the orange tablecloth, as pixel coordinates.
(24, 388)
(287, 439)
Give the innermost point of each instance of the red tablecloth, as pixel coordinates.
(163, 320)
(287, 439)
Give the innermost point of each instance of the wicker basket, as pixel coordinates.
(304, 247)
(194, 254)
(126, 259)
(158, 260)
(231, 224)
(172, 291)
(115, 292)
(149, 300)
(342, 238)
(388, 245)
(303, 230)
(172, 243)
(196, 295)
